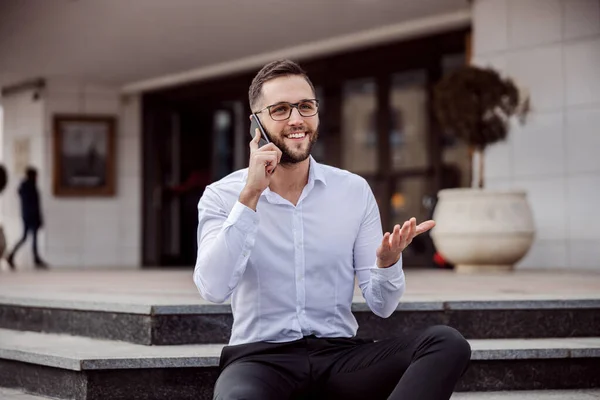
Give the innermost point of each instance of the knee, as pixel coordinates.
(450, 341)
(238, 391)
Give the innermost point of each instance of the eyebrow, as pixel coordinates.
(289, 102)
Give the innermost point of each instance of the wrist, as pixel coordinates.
(386, 263)
(249, 197)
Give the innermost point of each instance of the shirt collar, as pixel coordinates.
(315, 172)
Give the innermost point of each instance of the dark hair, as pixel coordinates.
(272, 70)
(30, 172)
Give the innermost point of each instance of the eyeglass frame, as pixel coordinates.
(292, 106)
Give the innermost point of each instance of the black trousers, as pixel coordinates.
(424, 365)
(26, 230)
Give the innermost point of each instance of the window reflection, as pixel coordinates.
(410, 121)
(359, 131)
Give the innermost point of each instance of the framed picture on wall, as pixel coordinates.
(84, 155)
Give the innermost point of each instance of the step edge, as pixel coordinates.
(47, 360)
(198, 309)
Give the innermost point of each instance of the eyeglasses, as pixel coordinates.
(282, 111)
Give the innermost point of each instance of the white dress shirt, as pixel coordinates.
(290, 270)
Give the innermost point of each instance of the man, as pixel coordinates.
(285, 238)
(32, 217)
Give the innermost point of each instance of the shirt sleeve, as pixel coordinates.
(382, 288)
(225, 240)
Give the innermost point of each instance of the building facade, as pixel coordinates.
(171, 139)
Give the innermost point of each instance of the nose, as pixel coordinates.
(295, 117)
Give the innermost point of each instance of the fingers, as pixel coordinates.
(404, 232)
(267, 147)
(268, 159)
(385, 243)
(396, 237)
(254, 142)
(403, 236)
(272, 147)
(413, 230)
(424, 226)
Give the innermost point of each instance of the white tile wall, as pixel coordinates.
(96, 256)
(499, 159)
(582, 139)
(130, 256)
(23, 118)
(101, 104)
(80, 232)
(101, 222)
(584, 254)
(496, 61)
(534, 22)
(551, 47)
(129, 190)
(129, 157)
(583, 199)
(64, 256)
(548, 202)
(491, 29)
(546, 254)
(498, 184)
(129, 229)
(65, 224)
(538, 146)
(582, 69)
(544, 83)
(581, 18)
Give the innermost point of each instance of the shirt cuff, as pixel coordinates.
(390, 273)
(243, 217)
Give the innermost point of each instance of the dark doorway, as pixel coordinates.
(191, 146)
(376, 121)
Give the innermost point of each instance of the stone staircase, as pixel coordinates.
(108, 350)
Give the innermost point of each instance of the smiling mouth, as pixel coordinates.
(296, 136)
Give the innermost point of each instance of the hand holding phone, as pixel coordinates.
(254, 125)
(264, 157)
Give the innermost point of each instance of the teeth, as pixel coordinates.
(296, 135)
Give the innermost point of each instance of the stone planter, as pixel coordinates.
(482, 230)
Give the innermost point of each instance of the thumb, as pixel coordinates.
(254, 142)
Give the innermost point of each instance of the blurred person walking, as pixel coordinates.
(32, 217)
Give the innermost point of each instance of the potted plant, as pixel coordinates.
(478, 229)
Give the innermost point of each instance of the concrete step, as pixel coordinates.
(83, 368)
(203, 322)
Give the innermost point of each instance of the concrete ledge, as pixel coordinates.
(527, 349)
(147, 307)
(80, 353)
(171, 324)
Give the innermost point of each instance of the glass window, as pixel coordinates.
(359, 130)
(409, 200)
(409, 120)
(456, 159)
(318, 150)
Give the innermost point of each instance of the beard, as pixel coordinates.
(288, 154)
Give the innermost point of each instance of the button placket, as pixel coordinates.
(300, 270)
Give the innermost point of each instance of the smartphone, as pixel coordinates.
(255, 123)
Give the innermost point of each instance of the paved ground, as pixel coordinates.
(176, 286)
